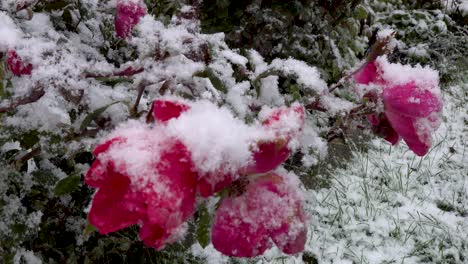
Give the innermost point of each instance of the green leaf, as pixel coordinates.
(95, 114)
(67, 185)
(89, 229)
(113, 81)
(214, 79)
(2, 77)
(53, 5)
(294, 91)
(203, 233)
(29, 139)
(360, 12)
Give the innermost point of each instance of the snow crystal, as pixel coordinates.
(308, 76)
(45, 115)
(234, 57)
(269, 91)
(419, 51)
(237, 98)
(10, 35)
(209, 253)
(258, 62)
(25, 256)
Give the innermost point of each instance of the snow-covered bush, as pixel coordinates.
(186, 138)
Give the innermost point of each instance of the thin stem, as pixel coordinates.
(35, 95)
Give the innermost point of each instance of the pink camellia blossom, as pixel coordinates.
(16, 65)
(269, 209)
(287, 124)
(266, 145)
(128, 14)
(411, 100)
(143, 177)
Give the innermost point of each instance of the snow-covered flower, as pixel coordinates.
(269, 210)
(128, 14)
(266, 146)
(411, 100)
(143, 177)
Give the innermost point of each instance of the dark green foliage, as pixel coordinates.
(203, 226)
(321, 33)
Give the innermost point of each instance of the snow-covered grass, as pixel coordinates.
(389, 206)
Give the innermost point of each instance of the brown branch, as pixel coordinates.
(21, 159)
(128, 71)
(140, 88)
(35, 95)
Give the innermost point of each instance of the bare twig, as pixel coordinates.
(21, 159)
(128, 71)
(34, 96)
(140, 88)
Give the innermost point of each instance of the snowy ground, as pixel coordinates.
(390, 206)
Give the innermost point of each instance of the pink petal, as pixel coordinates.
(268, 208)
(110, 211)
(269, 156)
(233, 236)
(168, 209)
(153, 235)
(382, 127)
(221, 180)
(405, 127)
(97, 174)
(368, 74)
(411, 101)
(127, 15)
(104, 147)
(177, 168)
(165, 110)
(16, 64)
(291, 240)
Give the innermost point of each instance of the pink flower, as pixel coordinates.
(284, 123)
(412, 104)
(127, 15)
(270, 208)
(143, 177)
(164, 109)
(368, 74)
(287, 124)
(16, 65)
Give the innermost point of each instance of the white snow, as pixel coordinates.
(10, 35)
(398, 74)
(217, 140)
(307, 76)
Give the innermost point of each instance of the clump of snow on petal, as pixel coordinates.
(217, 140)
(398, 74)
